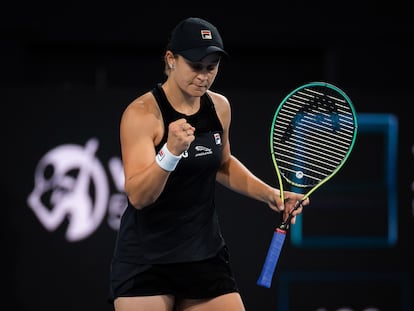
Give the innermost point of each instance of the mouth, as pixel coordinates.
(201, 86)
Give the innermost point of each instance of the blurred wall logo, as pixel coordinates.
(71, 185)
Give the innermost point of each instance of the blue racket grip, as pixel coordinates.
(266, 276)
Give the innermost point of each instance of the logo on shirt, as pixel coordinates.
(217, 138)
(202, 151)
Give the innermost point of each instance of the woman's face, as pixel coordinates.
(196, 77)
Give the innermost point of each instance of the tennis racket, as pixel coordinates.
(312, 135)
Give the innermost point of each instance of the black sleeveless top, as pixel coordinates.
(182, 224)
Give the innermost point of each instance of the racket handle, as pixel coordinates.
(266, 276)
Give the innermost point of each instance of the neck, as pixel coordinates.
(181, 101)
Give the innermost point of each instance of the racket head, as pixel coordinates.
(312, 135)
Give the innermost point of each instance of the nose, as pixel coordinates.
(202, 75)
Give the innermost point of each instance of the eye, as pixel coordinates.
(200, 66)
(211, 67)
(196, 66)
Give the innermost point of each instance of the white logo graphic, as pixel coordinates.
(299, 174)
(202, 151)
(71, 184)
(206, 34)
(217, 138)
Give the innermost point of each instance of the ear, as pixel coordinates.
(169, 57)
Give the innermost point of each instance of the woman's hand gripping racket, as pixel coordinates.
(312, 135)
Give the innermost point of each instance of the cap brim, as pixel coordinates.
(198, 54)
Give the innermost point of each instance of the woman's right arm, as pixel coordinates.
(141, 129)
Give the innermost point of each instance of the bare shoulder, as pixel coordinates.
(144, 105)
(142, 115)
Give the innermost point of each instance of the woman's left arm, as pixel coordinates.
(234, 175)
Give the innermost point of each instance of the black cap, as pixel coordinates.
(195, 38)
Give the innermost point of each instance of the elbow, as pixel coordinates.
(141, 194)
(135, 197)
(136, 203)
(140, 202)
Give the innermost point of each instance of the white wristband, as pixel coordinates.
(166, 160)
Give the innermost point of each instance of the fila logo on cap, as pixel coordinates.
(206, 34)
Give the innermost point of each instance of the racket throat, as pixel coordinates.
(286, 224)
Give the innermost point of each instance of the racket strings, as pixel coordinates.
(312, 134)
(314, 139)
